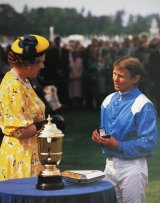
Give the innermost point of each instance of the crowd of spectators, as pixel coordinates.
(82, 75)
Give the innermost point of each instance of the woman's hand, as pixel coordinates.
(32, 129)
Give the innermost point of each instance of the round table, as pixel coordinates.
(24, 191)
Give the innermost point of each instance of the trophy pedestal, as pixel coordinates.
(49, 182)
(50, 179)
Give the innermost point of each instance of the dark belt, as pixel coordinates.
(110, 158)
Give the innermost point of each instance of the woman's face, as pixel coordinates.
(122, 79)
(35, 68)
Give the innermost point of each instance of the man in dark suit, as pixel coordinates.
(56, 71)
(154, 71)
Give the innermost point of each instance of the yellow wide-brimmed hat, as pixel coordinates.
(30, 46)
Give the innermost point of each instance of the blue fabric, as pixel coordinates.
(132, 122)
(24, 191)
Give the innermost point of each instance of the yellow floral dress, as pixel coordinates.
(19, 107)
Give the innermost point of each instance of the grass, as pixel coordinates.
(153, 187)
(80, 152)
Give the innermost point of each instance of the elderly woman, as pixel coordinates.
(22, 113)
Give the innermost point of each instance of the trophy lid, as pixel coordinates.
(50, 130)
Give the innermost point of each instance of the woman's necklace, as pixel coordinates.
(26, 82)
(33, 95)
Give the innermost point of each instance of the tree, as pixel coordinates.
(10, 21)
(68, 21)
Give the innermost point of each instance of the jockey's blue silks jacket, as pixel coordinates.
(131, 118)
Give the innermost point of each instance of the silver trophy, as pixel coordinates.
(50, 154)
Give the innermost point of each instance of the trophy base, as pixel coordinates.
(49, 183)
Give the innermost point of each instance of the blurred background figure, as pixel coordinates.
(154, 71)
(56, 70)
(50, 94)
(75, 81)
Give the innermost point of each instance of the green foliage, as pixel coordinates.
(68, 21)
(10, 21)
(80, 152)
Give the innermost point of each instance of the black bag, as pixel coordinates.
(1, 136)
